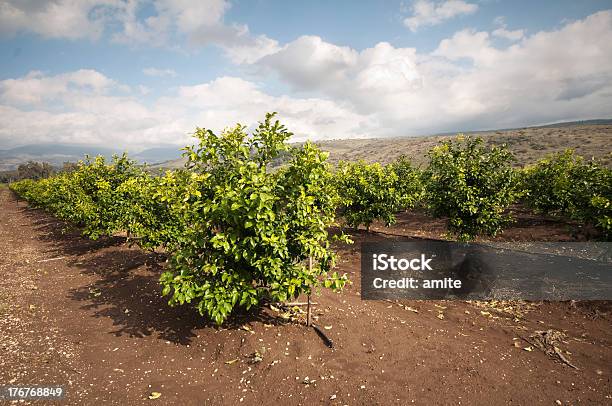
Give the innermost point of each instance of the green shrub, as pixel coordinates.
(471, 185)
(600, 211)
(86, 196)
(237, 232)
(368, 192)
(372, 192)
(250, 229)
(564, 184)
(147, 213)
(409, 183)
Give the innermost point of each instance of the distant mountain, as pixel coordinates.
(589, 138)
(57, 154)
(169, 156)
(601, 121)
(158, 154)
(59, 150)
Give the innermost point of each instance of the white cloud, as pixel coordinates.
(427, 13)
(143, 90)
(201, 22)
(153, 30)
(312, 65)
(228, 99)
(470, 44)
(466, 82)
(55, 19)
(193, 15)
(503, 32)
(557, 75)
(156, 72)
(87, 107)
(309, 62)
(509, 35)
(244, 48)
(36, 89)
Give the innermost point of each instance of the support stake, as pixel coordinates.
(308, 301)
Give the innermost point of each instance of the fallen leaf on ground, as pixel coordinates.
(154, 395)
(257, 356)
(440, 307)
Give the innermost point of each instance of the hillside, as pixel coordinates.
(57, 154)
(590, 139)
(528, 144)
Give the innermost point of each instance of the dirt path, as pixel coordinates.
(87, 315)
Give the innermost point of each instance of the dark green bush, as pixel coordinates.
(368, 192)
(565, 185)
(471, 185)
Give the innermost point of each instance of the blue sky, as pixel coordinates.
(144, 73)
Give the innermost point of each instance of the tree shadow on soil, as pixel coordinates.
(64, 238)
(127, 289)
(128, 292)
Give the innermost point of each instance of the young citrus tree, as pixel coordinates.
(249, 228)
(549, 184)
(94, 202)
(147, 211)
(86, 196)
(25, 189)
(409, 183)
(369, 192)
(59, 195)
(564, 184)
(471, 185)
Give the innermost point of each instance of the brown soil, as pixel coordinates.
(88, 315)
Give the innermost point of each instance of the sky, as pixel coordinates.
(138, 74)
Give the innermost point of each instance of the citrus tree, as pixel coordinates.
(100, 205)
(368, 192)
(471, 185)
(563, 184)
(249, 229)
(409, 183)
(148, 210)
(86, 196)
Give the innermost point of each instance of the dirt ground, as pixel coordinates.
(88, 315)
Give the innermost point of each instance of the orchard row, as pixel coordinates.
(239, 231)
